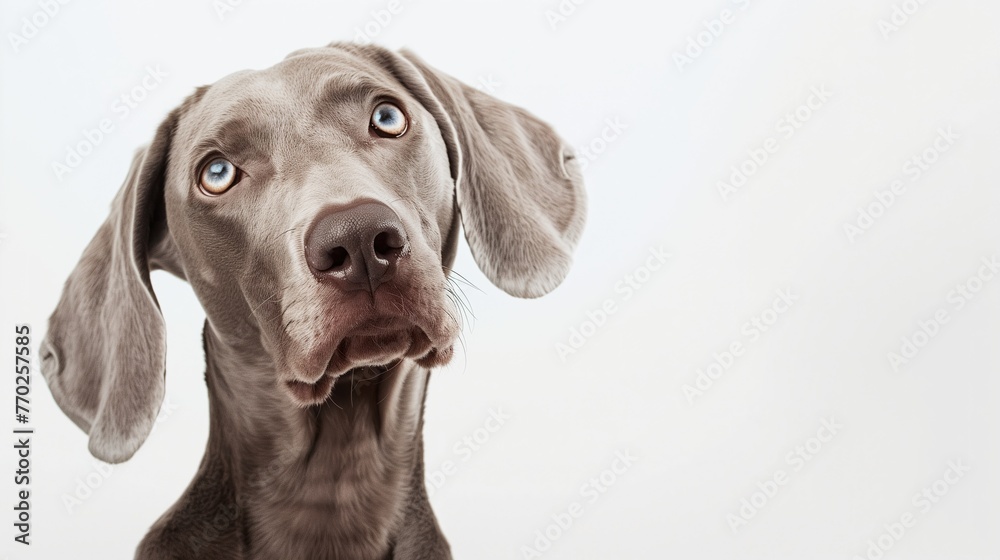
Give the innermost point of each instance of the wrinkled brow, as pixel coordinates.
(357, 87)
(340, 96)
(246, 137)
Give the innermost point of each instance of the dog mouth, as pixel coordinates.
(372, 349)
(308, 394)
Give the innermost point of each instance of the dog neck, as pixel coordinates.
(325, 481)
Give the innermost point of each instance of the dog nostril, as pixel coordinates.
(388, 244)
(338, 258)
(331, 260)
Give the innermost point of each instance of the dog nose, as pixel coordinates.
(357, 247)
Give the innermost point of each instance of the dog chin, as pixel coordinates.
(378, 350)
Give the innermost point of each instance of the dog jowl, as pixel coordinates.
(314, 208)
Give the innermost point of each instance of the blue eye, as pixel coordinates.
(388, 121)
(218, 176)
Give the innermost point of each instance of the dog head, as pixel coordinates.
(314, 208)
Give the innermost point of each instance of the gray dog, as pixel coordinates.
(314, 208)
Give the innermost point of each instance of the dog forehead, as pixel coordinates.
(330, 59)
(331, 75)
(308, 86)
(309, 77)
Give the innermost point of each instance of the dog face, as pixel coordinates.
(314, 208)
(316, 200)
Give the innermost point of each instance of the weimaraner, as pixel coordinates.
(314, 208)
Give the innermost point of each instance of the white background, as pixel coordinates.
(655, 185)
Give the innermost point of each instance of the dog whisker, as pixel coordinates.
(464, 280)
(261, 304)
(465, 298)
(287, 231)
(462, 303)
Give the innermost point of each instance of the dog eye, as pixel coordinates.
(388, 121)
(218, 176)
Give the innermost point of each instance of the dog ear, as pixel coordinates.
(518, 188)
(104, 355)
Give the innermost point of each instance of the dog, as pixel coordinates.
(314, 207)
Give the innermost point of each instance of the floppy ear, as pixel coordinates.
(519, 190)
(105, 350)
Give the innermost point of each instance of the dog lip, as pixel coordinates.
(373, 335)
(380, 324)
(305, 394)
